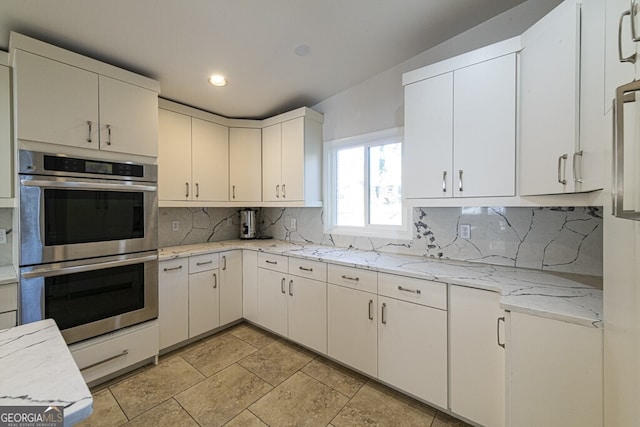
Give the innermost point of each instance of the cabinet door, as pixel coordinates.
(174, 160)
(616, 72)
(128, 118)
(307, 312)
(556, 366)
(173, 302)
(55, 101)
(484, 130)
(549, 101)
(250, 285)
(272, 301)
(230, 286)
(352, 331)
(412, 349)
(210, 161)
(293, 146)
(428, 138)
(476, 361)
(245, 165)
(6, 152)
(271, 163)
(204, 302)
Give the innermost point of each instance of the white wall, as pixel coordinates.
(378, 103)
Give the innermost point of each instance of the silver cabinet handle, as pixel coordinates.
(460, 188)
(173, 268)
(90, 124)
(355, 279)
(268, 261)
(215, 280)
(233, 191)
(630, 58)
(290, 288)
(562, 170)
(384, 316)
(204, 263)
(283, 191)
(187, 186)
(444, 181)
(282, 285)
(413, 291)
(197, 190)
(108, 134)
(500, 319)
(108, 359)
(370, 309)
(633, 12)
(224, 262)
(305, 268)
(577, 177)
(278, 191)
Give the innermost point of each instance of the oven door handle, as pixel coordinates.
(87, 185)
(48, 271)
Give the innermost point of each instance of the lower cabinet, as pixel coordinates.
(173, 301)
(230, 286)
(204, 301)
(476, 357)
(250, 286)
(272, 300)
(8, 304)
(555, 373)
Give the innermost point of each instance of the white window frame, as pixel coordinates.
(368, 230)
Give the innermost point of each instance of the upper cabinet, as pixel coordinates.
(460, 125)
(245, 156)
(562, 126)
(6, 152)
(67, 99)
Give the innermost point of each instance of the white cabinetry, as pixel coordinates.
(204, 294)
(230, 286)
(460, 136)
(8, 305)
(476, 359)
(6, 151)
(250, 285)
(99, 111)
(272, 300)
(562, 125)
(245, 165)
(412, 336)
(173, 301)
(555, 374)
(193, 159)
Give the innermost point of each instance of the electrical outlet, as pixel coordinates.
(3, 236)
(465, 231)
(175, 225)
(294, 224)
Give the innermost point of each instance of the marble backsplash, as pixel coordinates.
(6, 222)
(556, 239)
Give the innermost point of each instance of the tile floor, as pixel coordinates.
(245, 376)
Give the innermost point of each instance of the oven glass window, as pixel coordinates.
(81, 216)
(79, 298)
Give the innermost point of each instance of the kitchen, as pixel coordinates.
(561, 232)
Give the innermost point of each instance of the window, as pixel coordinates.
(364, 184)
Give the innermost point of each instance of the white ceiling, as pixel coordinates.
(253, 42)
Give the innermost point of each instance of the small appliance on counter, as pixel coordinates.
(248, 224)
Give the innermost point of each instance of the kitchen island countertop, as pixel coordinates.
(565, 297)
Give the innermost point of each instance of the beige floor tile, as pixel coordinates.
(155, 385)
(106, 411)
(167, 414)
(335, 376)
(299, 401)
(245, 419)
(252, 335)
(276, 362)
(222, 396)
(444, 420)
(217, 353)
(373, 407)
(119, 379)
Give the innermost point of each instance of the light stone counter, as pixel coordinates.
(7, 274)
(36, 369)
(565, 297)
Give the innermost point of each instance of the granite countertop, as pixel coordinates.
(7, 274)
(566, 297)
(37, 369)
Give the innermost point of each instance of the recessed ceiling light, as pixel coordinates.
(218, 80)
(302, 50)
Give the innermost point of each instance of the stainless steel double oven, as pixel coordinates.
(88, 243)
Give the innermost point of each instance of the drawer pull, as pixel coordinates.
(384, 311)
(355, 279)
(290, 288)
(173, 268)
(271, 262)
(500, 319)
(224, 262)
(305, 268)
(282, 285)
(204, 263)
(108, 359)
(215, 280)
(370, 307)
(413, 291)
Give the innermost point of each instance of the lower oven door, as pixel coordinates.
(91, 297)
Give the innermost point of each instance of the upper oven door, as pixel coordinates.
(64, 219)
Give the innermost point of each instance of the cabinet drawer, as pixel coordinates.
(355, 278)
(204, 262)
(105, 355)
(315, 270)
(8, 319)
(8, 297)
(273, 262)
(423, 292)
(174, 267)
